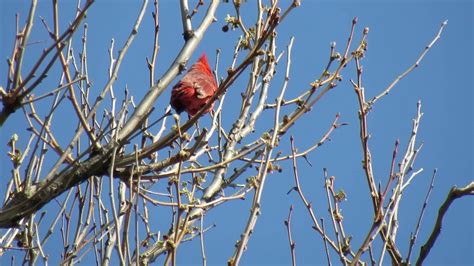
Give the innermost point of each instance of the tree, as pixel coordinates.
(112, 162)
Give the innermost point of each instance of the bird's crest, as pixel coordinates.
(203, 64)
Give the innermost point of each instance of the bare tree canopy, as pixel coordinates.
(306, 133)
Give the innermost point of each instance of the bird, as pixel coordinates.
(195, 89)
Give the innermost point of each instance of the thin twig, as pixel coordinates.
(24, 42)
(156, 46)
(325, 243)
(316, 225)
(290, 238)
(413, 236)
(201, 237)
(411, 68)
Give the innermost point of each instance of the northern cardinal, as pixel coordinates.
(195, 89)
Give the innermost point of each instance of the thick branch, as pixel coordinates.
(454, 194)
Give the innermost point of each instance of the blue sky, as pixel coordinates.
(399, 31)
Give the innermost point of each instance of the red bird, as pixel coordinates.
(195, 89)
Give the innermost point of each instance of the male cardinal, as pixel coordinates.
(195, 89)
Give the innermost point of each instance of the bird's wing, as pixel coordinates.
(205, 87)
(180, 95)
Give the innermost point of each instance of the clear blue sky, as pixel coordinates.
(399, 31)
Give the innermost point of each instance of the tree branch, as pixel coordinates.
(454, 194)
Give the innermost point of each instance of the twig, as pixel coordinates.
(263, 170)
(391, 177)
(304, 153)
(413, 236)
(13, 99)
(201, 236)
(205, 205)
(40, 247)
(367, 164)
(290, 238)
(416, 64)
(337, 217)
(24, 42)
(308, 206)
(349, 39)
(137, 236)
(325, 243)
(196, 8)
(116, 217)
(332, 213)
(156, 47)
(389, 232)
(372, 257)
(53, 92)
(51, 188)
(67, 74)
(240, 22)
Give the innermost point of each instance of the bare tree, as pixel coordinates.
(132, 159)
